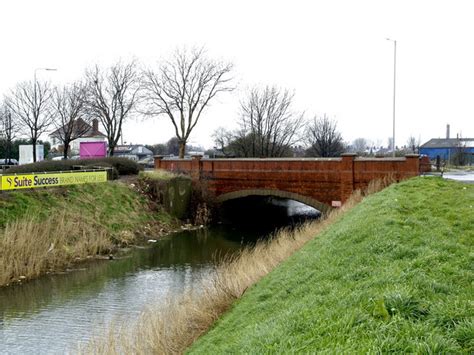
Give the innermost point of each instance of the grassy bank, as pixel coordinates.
(394, 274)
(45, 230)
(178, 322)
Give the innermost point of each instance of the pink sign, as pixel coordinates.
(92, 150)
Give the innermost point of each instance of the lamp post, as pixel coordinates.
(394, 87)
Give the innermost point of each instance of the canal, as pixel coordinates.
(56, 313)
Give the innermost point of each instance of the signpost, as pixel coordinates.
(35, 180)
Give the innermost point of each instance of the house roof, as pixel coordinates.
(448, 143)
(80, 126)
(132, 149)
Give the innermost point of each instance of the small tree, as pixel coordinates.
(413, 144)
(323, 138)
(173, 146)
(223, 140)
(183, 87)
(68, 109)
(360, 145)
(460, 156)
(30, 105)
(8, 131)
(112, 97)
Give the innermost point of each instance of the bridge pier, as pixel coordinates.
(196, 167)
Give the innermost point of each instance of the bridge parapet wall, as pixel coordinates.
(323, 179)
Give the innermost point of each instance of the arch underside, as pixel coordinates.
(322, 207)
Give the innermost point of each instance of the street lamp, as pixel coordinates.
(394, 83)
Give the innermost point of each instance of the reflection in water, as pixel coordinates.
(52, 314)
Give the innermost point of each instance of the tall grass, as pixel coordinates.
(46, 230)
(160, 175)
(31, 247)
(174, 326)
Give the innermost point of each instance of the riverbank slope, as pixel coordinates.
(393, 274)
(45, 230)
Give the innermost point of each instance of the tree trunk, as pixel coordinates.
(33, 141)
(66, 150)
(8, 152)
(111, 148)
(182, 149)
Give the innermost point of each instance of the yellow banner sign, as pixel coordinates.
(31, 181)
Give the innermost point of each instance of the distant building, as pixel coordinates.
(134, 152)
(92, 134)
(447, 148)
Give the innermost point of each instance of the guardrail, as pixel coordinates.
(16, 181)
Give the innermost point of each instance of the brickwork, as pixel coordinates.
(316, 182)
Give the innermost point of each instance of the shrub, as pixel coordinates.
(121, 166)
(124, 166)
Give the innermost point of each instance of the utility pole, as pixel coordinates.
(394, 89)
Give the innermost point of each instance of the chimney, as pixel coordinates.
(95, 125)
(447, 131)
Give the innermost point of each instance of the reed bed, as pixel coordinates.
(174, 326)
(31, 247)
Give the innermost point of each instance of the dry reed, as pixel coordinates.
(173, 327)
(31, 247)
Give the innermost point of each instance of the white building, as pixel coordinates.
(85, 131)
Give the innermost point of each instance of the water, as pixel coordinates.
(55, 313)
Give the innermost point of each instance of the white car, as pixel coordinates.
(8, 161)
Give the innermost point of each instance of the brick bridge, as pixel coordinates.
(317, 182)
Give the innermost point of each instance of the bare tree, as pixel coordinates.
(112, 96)
(323, 138)
(268, 124)
(268, 118)
(359, 145)
(223, 139)
(183, 87)
(8, 131)
(390, 144)
(68, 109)
(460, 156)
(30, 104)
(413, 144)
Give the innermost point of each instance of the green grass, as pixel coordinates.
(393, 275)
(158, 175)
(46, 230)
(113, 205)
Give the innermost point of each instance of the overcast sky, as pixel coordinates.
(333, 54)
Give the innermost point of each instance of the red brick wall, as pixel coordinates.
(325, 180)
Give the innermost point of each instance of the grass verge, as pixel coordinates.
(45, 230)
(392, 274)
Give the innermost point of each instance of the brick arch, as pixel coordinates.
(322, 207)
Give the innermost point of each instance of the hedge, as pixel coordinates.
(120, 166)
